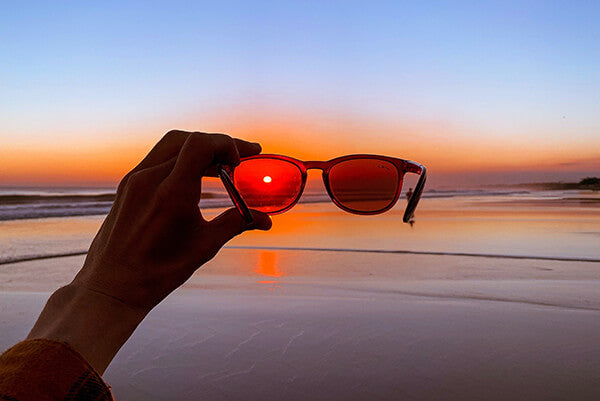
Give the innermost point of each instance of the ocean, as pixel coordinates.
(43, 222)
(18, 203)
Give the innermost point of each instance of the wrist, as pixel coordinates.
(95, 324)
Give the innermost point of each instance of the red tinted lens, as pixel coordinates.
(365, 185)
(266, 184)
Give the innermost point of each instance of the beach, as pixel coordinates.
(479, 121)
(489, 297)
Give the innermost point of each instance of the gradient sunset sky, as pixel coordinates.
(480, 92)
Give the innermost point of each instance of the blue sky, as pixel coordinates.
(515, 73)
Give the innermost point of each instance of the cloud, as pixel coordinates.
(583, 163)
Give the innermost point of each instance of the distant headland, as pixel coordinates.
(588, 183)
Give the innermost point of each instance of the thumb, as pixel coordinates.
(230, 223)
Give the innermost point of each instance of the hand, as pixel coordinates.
(151, 242)
(155, 237)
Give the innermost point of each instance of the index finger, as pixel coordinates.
(199, 154)
(172, 142)
(244, 148)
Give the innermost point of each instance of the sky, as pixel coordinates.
(479, 92)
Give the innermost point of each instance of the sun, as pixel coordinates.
(267, 179)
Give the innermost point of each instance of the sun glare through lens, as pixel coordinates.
(268, 185)
(365, 185)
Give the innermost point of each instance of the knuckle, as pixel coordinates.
(137, 181)
(222, 140)
(123, 184)
(172, 134)
(164, 194)
(199, 138)
(167, 193)
(199, 143)
(227, 149)
(163, 200)
(207, 145)
(172, 195)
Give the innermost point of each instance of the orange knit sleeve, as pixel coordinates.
(46, 370)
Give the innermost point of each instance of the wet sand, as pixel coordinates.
(485, 298)
(299, 325)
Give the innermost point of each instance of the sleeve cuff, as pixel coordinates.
(42, 369)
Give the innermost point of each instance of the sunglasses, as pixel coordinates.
(359, 184)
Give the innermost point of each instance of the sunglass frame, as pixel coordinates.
(402, 166)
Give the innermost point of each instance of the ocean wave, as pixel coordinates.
(440, 193)
(52, 211)
(14, 206)
(37, 205)
(46, 203)
(27, 199)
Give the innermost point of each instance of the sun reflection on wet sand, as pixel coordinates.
(267, 265)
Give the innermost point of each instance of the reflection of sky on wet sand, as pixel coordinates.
(444, 225)
(47, 236)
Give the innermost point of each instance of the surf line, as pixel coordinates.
(406, 252)
(28, 258)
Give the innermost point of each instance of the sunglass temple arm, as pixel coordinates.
(414, 199)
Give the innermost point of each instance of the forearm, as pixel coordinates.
(151, 242)
(94, 324)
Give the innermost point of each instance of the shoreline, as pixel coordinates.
(564, 284)
(28, 258)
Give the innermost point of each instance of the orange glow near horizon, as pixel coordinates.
(443, 149)
(75, 166)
